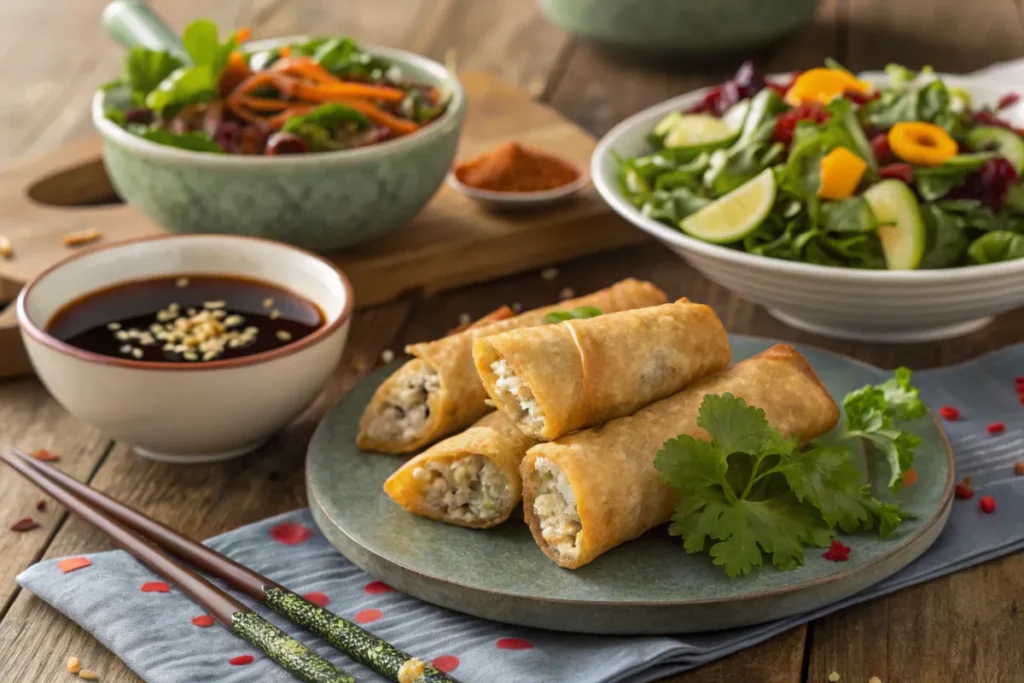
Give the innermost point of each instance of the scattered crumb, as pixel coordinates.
(137, 353)
(214, 304)
(114, 327)
(834, 676)
(181, 282)
(268, 303)
(358, 366)
(1018, 468)
(535, 87)
(566, 293)
(41, 505)
(464, 318)
(874, 679)
(82, 237)
(88, 675)
(275, 314)
(516, 306)
(74, 666)
(6, 248)
(125, 349)
(549, 273)
(284, 335)
(387, 355)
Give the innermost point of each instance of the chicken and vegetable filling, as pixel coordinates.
(407, 406)
(555, 508)
(518, 400)
(468, 489)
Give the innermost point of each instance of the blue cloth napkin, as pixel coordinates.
(154, 635)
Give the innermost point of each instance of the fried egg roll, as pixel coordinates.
(470, 479)
(555, 379)
(591, 491)
(438, 392)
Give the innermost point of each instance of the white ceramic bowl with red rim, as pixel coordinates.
(864, 305)
(187, 412)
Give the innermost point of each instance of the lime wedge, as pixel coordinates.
(697, 130)
(737, 214)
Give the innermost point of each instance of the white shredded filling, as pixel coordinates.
(407, 406)
(469, 489)
(508, 385)
(555, 507)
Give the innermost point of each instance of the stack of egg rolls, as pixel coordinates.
(438, 392)
(591, 491)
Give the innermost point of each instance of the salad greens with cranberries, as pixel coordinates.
(220, 96)
(827, 169)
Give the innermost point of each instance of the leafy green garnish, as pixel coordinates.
(945, 241)
(749, 490)
(145, 69)
(185, 86)
(935, 182)
(994, 247)
(204, 47)
(871, 412)
(575, 314)
(195, 140)
(321, 125)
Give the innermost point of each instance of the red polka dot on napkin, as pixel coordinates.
(240, 660)
(368, 616)
(318, 599)
(514, 644)
(446, 663)
(202, 621)
(291, 533)
(375, 587)
(155, 587)
(72, 563)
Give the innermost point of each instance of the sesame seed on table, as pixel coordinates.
(963, 627)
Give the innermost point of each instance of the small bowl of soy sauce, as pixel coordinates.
(193, 348)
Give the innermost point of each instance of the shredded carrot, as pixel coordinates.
(298, 110)
(397, 125)
(330, 93)
(285, 51)
(242, 34)
(234, 103)
(236, 71)
(262, 103)
(262, 78)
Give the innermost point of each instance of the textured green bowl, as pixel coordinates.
(316, 201)
(679, 26)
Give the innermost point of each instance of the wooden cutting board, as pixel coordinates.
(451, 243)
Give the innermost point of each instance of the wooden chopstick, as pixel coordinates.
(279, 646)
(354, 641)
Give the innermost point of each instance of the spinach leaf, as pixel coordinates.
(848, 216)
(672, 206)
(1015, 199)
(195, 140)
(862, 250)
(728, 169)
(934, 182)
(185, 86)
(915, 99)
(976, 216)
(203, 46)
(320, 126)
(145, 69)
(994, 247)
(343, 57)
(945, 240)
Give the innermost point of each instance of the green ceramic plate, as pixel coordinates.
(650, 585)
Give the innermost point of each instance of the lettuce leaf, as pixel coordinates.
(995, 247)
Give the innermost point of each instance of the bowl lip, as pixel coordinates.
(522, 198)
(676, 238)
(115, 134)
(319, 335)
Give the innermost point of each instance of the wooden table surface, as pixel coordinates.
(965, 627)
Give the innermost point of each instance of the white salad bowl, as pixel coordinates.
(864, 305)
(188, 412)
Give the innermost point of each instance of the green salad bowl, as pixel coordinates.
(683, 27)
(322, 201)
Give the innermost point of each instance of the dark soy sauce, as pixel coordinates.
(186, 319)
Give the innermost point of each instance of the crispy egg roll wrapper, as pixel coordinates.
(492, 436)
(460, 397)
(610, 469)
(581, 373)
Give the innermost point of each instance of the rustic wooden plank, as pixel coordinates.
(200, 501)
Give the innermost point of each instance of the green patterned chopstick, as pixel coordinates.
(305, 664)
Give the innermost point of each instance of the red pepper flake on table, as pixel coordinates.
(513, 168)
(1018, 468)
(71, 564)
(837, 552)
(949, 413)
(987, 504)
(155, 587)
(963, 490)
(24, 524)
(241, 660)
(996, 428)
(45, 455)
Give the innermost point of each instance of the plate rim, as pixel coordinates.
(940, 516)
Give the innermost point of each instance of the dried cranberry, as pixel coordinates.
(991, 183)
(904, 172)
(880, 147)
(227, 135)
(987, 118)
(731, 94)
(708, 103)
(1008, 100)
(785, 124)
(748, 79)
(861, 98)
(286, 143)
(143, 116)
(253, 139)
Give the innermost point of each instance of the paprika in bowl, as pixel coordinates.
(513, 176)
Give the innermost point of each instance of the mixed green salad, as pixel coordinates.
(831, 170)
(218, 95)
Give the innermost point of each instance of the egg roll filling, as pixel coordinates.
(407, 406)
(467, 489)
(555, 507)
(516, 396)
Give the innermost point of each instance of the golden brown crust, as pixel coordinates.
(586, 372)
(619, 493)
(460, 399)
(493, 437)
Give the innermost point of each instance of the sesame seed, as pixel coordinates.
(549, 273)
(833, 677)
(275, 314)
(268, 303)
(214, 304)
(113, 327)
(874, 679)
(168, 347)
(210, 355)
(137, 353)
(191, 311)
(566, 293)
(284, 335)
(387, 355)
(233, 320)
(180, 282)
(464, 318)
(190, 355)
(126, 349)
(6, 248)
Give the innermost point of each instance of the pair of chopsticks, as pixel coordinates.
(153, 544)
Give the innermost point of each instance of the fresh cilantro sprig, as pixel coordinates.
(870, 412)
(750, 490)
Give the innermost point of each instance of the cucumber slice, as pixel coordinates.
(996, 139)
(737, 214)
(699, 131)
(667, 124)
(736, 115)
(901, 228)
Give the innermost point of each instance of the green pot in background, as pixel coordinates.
(694, 27)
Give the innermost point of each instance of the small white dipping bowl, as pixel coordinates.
(866, 305)
(187, 412)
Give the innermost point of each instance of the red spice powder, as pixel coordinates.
(513, 168)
